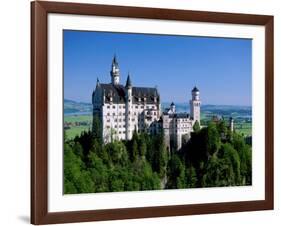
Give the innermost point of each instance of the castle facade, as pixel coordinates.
(125, 109)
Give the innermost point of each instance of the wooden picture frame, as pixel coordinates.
(39, 112)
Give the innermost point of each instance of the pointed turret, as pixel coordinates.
(115, 72)
(129, 82)
(114, 61)
(98, 82)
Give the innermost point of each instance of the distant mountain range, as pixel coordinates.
(73, 107)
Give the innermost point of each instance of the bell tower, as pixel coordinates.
(195, 105)
(115, 73)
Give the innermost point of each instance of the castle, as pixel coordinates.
(125, 109)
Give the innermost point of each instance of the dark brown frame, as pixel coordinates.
(39, 107)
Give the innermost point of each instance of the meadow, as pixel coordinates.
(81, 121)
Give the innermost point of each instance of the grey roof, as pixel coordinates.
(182, 115)
(118, 94)
(195, 89)
(177, 115)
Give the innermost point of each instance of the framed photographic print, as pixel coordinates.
(147, 112)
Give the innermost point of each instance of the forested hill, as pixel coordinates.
(213, 157)
(71, 106)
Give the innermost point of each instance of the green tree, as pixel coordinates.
(117, 153)
(245, 154)
(175, 173)
(160, 156)
(223, 168)
(76, 178)
(191, 177)
(86, 140)
(97, 129)
(212, 139)
(142, 145)
(99, 173)
(196, 127)
(134, 150)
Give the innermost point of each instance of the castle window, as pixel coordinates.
(113, 114)
(108, 106)
(108, 114)
(113, 106)
(137, 106)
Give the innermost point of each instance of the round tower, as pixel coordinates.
(195, 105)
(195, 93)
(231, 124)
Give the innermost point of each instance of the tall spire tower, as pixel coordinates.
(115, 73)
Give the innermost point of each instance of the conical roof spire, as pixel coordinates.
(114, 61)
(129, 82)
(98, 82)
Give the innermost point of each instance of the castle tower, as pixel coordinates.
(173, 108)
(195, 104)
(231, 124)
(115, 72)
(129, 99)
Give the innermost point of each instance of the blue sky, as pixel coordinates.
(220, 67)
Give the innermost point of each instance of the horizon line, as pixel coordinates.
(180, 102)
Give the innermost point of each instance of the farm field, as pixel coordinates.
(80, 119)
(76, 124)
